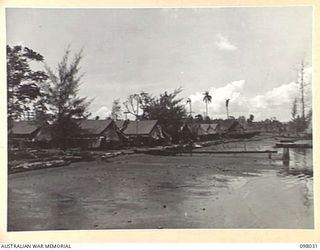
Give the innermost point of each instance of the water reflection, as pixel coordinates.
(300, 171)
(300, 163)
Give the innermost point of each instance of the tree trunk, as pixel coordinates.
(227, 112)
(206, 108)
(302, 90)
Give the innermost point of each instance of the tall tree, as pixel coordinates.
(207, 99)
(250, 119)
(309, 116)
(24, 84)
(294, 109)
(132, 104)
(166, 108)
(64, 104)
(302, 88)
(116, 109)
(190, 110)
(227, 107)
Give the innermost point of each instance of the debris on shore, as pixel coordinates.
(23, 160)
(30, 159)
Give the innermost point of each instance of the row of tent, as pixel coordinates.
(112, 134)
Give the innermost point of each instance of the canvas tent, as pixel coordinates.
(211, 130)
(22, 133)
(24, 129)
(121, 124)
(204, 131)
(44, 138)
(230, 126)
(185, 133)
(145, 131)
(97, 134)
(233, 129)
(194, 128)
(44, 134)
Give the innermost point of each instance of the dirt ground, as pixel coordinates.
(156, 192)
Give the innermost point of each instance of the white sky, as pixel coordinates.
(250, 55)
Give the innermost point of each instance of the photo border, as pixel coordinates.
(163, 235)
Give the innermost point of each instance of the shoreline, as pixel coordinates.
(154, 192)
(94, 155)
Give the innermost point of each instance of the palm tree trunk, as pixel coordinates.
(206, 108)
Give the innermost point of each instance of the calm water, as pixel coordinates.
(299, 172)
(285, 195)
(301, 160)
(276, 196)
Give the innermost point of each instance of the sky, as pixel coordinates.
(248, 55)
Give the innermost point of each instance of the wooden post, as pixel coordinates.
(286, 155)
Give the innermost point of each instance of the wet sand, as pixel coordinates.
(154, 192)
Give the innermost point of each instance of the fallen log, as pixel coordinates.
(37, 165)
(293, 145)
(236, 152)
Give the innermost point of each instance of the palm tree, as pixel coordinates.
(189, 101)
(227, 107)
(207, 99)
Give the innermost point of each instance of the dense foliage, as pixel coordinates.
(116, 109)
(166, 108)
(24, 84)
(62, 100)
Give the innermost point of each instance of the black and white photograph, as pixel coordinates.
(159, 118)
